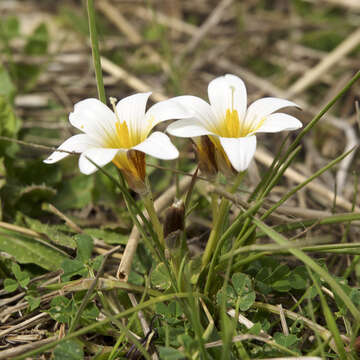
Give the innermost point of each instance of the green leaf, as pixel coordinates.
(282, 285)
(10, 285)
(255, 329)
(37, 43)
(69, 350)
(21, 276)
(11, 27)
(230, 296)
(298, 278)
(61, 309)
(135, 278)
(281, 240)
(72, 268)
(110, 237)
(7, 87)
(75, 193)
(170, 353)
(171, 312)
(9, 126)
(96, 262)
(160, 277)
(244, 289)
(285, 340)
(90, 314)
(51, 231)
(34, 302)
(28, 250)
(36, 193)
(85, 245)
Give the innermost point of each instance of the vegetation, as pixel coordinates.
(263, 264)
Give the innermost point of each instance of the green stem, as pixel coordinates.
(212, 247)
(215, 232)
(214, 206)
(95, 50)
(149, 205)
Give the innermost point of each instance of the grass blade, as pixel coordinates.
(281, 240)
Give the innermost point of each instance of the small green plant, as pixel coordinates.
(192, 260)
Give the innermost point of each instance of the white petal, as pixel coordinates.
(93, 118)
(158, 145)
(227, 92)
(132, 110)
(77, 143)
(188, 128)
(240, 151)
(279, 122)
(167, 110)
(100, 156)
(199, 109)
(266, 106)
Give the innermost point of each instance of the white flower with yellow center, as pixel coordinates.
(121, 136)
(229, 123)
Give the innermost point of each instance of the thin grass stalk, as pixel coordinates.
(95, 50)
(279, 172)
(87, 296)
(233, 228)
(149, 205)
(228, 326)
(330, 220)
(321, 344)
(263, 183)
(329, 318)
(107, 321)
(273, 248)
(315, 120)
(130, 203)
(133, 317)
(216, 232)
(281, 240)
(193, 316)
(324, 333)
(274, 168)
(311, 178)
(292, 192)
(356, 259)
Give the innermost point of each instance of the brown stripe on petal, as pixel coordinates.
(224, 164)
(205, 150)
(137, 158)
(135, 171)
(132, 166)
(222, 161)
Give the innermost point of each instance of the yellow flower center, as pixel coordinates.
(233, 127)
(123, 139)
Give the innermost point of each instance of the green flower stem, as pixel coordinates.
(215, 232)
(149, 206)
(95, 50)
(212, 248)
(214, 206)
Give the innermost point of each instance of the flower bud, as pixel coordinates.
(174, 224)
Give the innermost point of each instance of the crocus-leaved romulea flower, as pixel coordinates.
(121, 136)
(224, 130)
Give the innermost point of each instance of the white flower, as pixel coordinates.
(121, 136)
(229, 123)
